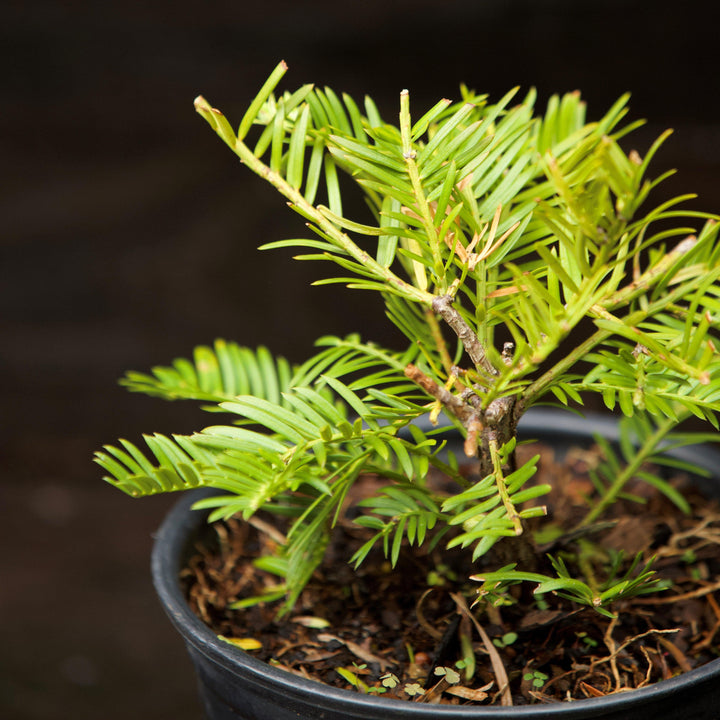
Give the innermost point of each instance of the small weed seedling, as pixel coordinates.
(536, 678)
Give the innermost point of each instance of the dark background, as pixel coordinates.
(129, 233)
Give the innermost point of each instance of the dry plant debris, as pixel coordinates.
(410, 633)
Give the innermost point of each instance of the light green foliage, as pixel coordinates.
(452, 677)
(536, 678)
(592, 594)
(507, 639)
(352, 677)
(486, 221)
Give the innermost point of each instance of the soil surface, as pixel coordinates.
(420, 632)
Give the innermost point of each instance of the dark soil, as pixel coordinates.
(404, 632)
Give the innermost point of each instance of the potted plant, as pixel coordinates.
(515, 254)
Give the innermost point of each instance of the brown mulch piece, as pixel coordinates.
(404, 632)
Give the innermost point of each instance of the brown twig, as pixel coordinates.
(429, 629)
(615, 649)
(442, 305)
(676, 598)
(455, 404)
(710, 635)
(471, 417)
(677, 653)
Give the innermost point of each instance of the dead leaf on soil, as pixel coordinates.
(315, 656)
(474, 694)
(495, 659)
(591, 691)
(310, 621)
(358, 650)
(243, 643)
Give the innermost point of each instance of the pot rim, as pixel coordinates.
(538, 423)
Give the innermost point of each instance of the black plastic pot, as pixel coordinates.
(235, 685)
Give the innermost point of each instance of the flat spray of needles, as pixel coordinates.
(520, 257)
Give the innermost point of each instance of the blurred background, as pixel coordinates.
(129, 234)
